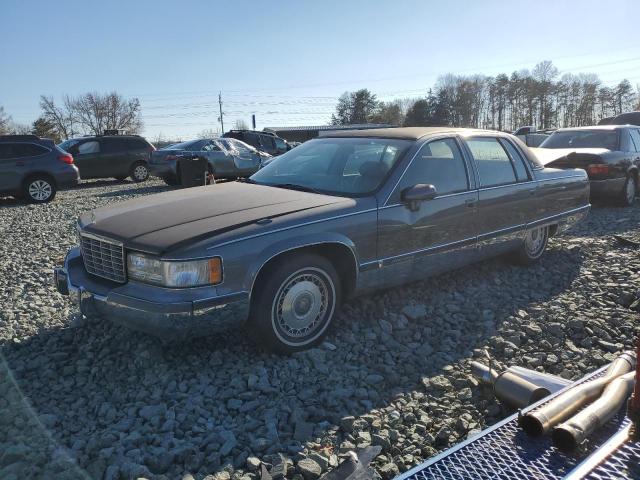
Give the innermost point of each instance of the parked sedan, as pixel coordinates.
(337, 216)
(609, 153)
(227, 158)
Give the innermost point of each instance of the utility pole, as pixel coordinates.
(221, 119)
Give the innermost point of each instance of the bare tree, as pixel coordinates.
(5, 122)
(61, 118)
(240, 124)
(95, 113)
(209, 133)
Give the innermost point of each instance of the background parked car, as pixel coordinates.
(264, 141)
(227, 158)
(609, 153)
(105, 156)
(34, 168)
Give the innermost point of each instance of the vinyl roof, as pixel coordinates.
(408, 133)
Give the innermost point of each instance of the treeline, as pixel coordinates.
(87, 114)
(540, 97)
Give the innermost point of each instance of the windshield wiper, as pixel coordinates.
(294, 186)
(246, 180)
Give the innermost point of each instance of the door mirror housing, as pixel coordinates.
(415, 195)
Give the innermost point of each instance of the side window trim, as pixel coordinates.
(470, 181)
(502, 141)
(475, 163)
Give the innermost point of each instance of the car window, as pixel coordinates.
(521, 171)
(340, 166)
(88, 147)
(635, 138)
(114, 145)
(22, 150)
(582, 139)
(267, 142)
(211, 147)
(6, 150)
(137, 144)
(280, 143)
(439, 163)
(494, 165)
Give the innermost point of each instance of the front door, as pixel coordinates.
(435, 235)
(506, 193)
(86, 156)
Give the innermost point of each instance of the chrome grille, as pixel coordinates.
(103, 257)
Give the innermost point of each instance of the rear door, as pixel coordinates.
(86, 156)
(10, 173)
(506, 199)
(114, 158)
(441, 233)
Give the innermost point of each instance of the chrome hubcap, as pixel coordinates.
(301, 304)
(40, 190)
(140, 172)
(534, 242)
(631, 190)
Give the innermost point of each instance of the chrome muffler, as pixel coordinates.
(567, 436)
(539, 421)
(508, 386)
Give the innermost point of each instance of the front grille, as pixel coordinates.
(103, 258)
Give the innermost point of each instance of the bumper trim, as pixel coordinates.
(172, 319)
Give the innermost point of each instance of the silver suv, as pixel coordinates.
(34, 168)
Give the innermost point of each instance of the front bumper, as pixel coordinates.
(163, 312)
(610, 186)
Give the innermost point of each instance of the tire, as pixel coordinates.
(533, 246)
(39, 189)
(139, 172)
(628, 193)
(294, 303)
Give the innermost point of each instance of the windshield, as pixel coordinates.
(340, 166)
(68, 144)
(582, 139)
(191, 145)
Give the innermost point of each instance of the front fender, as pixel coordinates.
(287, 245)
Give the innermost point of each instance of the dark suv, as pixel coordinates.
(117, 156)
(266, 142)
(34, 168)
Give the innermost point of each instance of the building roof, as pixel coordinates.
(357, 126)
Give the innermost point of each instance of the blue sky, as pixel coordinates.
(288, 60)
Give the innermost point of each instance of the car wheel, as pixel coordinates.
(533, 246)
(139, 172)
(294, 303)
(628, 194)
(39, 189)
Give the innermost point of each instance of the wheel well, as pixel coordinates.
(341, 257)
(46, 175)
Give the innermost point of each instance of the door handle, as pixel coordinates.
(471, 203)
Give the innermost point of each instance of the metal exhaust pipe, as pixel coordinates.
(509, 387)
(567, 436)
(565, 405)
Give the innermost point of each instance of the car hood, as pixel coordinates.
(548, 155)
(159, 223)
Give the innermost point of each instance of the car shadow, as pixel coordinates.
(104, 395)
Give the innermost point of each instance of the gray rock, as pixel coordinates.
(309, 469)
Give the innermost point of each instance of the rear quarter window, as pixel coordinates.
(137, 144)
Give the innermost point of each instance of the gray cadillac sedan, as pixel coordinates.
(337, 216)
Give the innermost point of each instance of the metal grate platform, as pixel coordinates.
(504, 451)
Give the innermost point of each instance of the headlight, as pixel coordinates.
(193, 273)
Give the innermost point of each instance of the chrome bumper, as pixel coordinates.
(162, 312)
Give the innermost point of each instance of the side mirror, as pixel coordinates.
(413, 196)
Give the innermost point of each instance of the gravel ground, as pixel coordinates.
(84, 398)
